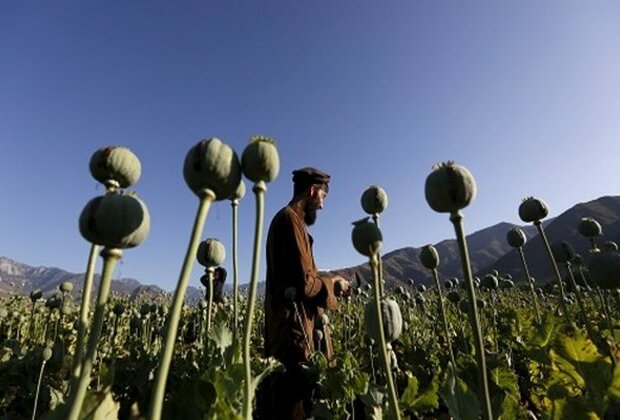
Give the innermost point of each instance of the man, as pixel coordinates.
(219, 278)
(295, 295)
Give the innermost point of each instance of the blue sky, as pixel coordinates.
(525, 94)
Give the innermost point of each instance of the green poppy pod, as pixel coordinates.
(429, 257)
(506, 284)
(260, 160)
(318, 335)
(563, 252)
(115, 221)
(392, 320)
(53, 302)
(604, 269)
(533, 209)
(115, 165)
(118, 309)
(145, 309)
(448, 284)
(449, 187)
(489, 282)
(516, 237)
(239, 192)
(421, 288)
(47, 354)
(589, 227)
(453, 296)
(374, 200)
(211, 253)
(610, 246)
(66, 287)
(366, 237)
(212, 165)
(36, 295)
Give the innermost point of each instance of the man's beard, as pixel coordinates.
(310, 214)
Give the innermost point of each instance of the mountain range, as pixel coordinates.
(488, 251)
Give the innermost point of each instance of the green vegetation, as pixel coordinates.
(496, 347)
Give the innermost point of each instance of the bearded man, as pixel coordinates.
(295, 296)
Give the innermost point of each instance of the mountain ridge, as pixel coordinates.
(487, 247)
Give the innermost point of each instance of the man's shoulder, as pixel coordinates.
(285, 220)
(285, 214)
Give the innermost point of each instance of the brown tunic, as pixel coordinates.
(290, 263)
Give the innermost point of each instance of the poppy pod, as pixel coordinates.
(212, 165)
(118, 309)
(116, 165)
(429, 257)
(374, 200)
(516, 237)
(66, 287)
(610, 246)
(604, 269)
(36, 295)
(589, 227)
(392, 320)
(115, 221)
(533, 209)
(563, 252)
(239, 192)
(211, 253)
(366, 237)
(453, 296)
(449, 187)
(505, 284)
(260, 160)
(53, 302)
(490, 282)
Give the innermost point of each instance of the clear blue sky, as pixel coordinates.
(526, 94)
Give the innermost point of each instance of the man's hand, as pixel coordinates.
(342, 287)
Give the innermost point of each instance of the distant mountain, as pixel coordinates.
(606, 210)
(19, 278)
(488, 250)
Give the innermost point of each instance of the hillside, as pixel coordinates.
(487, 247)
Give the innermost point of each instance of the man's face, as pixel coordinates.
(314, 203)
